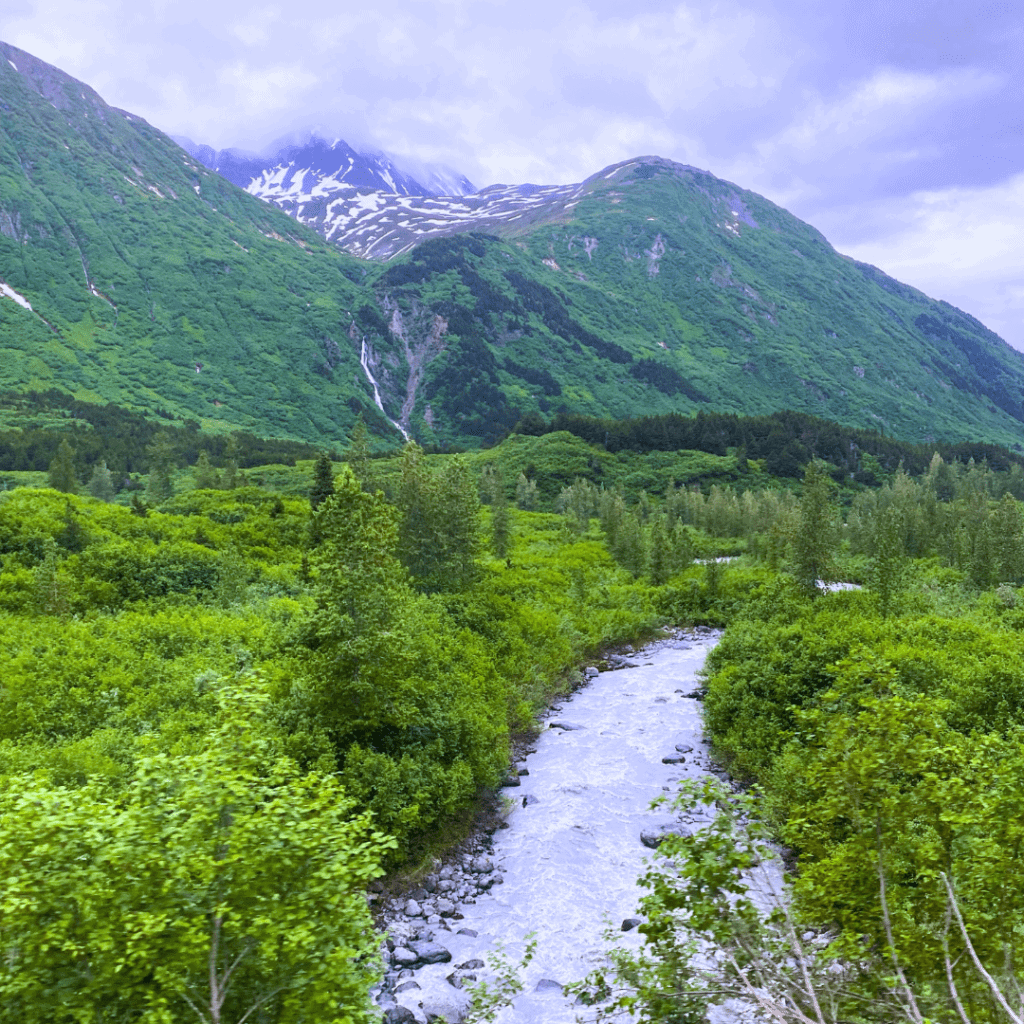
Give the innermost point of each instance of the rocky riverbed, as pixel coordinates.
(578, 830)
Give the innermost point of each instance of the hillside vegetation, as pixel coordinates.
(134, 275)
(156, 284)
(319, 675)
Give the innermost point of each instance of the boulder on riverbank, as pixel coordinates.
(653, 838)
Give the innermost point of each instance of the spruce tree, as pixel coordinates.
(323, 481)
(231, 480)
(62, 469)
(100, 483)
(494, 483)
(1006, 528)
(206, 477)
(661, 559)
(357, 455)
(815, 539)
(439, 534)
(630, 548)
(888, 566)
(160, 453)
(681, 547)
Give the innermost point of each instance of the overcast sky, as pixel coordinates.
(895, 127)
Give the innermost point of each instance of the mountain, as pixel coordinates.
(135, 275)
(131, 273)
(316, 168)
(375, 224)
(654, 287)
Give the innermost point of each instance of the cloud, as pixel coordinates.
(959, 244)
(849, 113)
(538, 87)
(865, 140)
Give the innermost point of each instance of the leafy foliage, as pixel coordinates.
(221, 884)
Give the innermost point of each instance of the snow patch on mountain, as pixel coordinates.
(375, 224)
(9, 293)
(314, 167)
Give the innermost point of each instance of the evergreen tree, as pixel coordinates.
(629, 549)
(671, 505)
(62, 469)
(51, 584)
(357, 455)
(714, 570)
(888, 568)
(661, 557)
(981, 564)
(439, 536)
(206, 477)
(231, 451)
(611, 508)
(161, 468)
(73, 537)
(100, 483)
(942, 478)
(323, 481)
(494, 485)
(681, 548)
(578, 502)
(1006, 528)
(526, 493)
(815, 539)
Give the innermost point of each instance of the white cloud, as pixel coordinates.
(823, 121)
(866, 131)
(959, 244)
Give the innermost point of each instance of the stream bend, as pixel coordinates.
(567, 866)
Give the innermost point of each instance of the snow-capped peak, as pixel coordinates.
(301, 168)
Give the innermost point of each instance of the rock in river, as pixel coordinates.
(430, 952)
(404, 957)
(547, 985)
(653, 838)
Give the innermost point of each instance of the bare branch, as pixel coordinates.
(226, 982)
(783, 1014)
(259, 1002)
(978, 966)
(801, 959)
(199, 1013)
(954, 995)
(911, 1003)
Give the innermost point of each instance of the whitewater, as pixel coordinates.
(570, 859)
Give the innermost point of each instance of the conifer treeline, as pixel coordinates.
(121, 438)
(786, 440)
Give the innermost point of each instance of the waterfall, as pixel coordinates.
(365, 363)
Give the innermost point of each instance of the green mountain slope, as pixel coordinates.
(131, 274)
(665, 288)
(153, 282)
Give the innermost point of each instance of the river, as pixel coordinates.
(572, 852)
